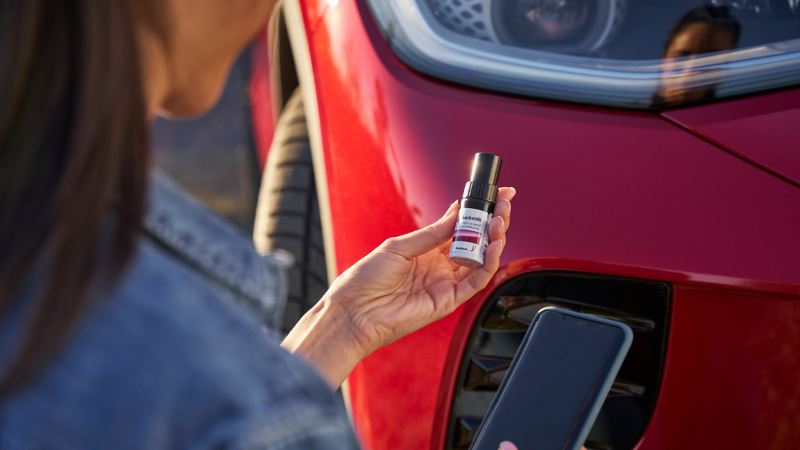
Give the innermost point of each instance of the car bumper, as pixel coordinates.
(601, 191)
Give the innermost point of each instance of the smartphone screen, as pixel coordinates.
(557, 382)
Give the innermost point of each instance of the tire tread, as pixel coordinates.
(292, 212)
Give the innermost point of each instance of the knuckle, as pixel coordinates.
(434, 227)
(390, 242)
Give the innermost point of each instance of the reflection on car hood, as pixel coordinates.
(764, 130)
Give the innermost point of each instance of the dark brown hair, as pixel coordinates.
(73, 163)
(716, 16)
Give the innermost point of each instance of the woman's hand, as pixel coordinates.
(401, 286)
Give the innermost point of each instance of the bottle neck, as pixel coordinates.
(480, 205)
(480, 191)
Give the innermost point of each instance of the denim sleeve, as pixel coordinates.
(265, 399)
(175, 355)
(306, 427)
(276, 402)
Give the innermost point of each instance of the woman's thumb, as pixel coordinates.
(426, 238)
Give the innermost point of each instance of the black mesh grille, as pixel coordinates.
(643, 305)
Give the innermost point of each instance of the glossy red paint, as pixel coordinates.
(731, 373)
(730, 357)
(600, 191)
(758, 129)
(314, 10)
(261, 110)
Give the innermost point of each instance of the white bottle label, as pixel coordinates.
(471, 236)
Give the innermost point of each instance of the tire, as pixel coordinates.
(287, 216)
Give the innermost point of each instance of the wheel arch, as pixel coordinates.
(291, 68)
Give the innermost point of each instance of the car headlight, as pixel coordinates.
(607, 52)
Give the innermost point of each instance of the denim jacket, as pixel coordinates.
(176, 356)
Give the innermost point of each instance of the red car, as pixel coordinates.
(655, 147)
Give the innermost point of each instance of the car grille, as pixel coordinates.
(500, 327)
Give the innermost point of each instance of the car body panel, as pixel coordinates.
(262, 106)
(600, 191)
(762, 129)
(731, 363)
(314, 10)
(599, 183)
(731, 373)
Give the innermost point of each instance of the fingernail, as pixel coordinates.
(513, 192)
(501, 220)
(505, 445)
(451, 208)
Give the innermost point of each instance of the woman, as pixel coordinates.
(701, 30)
(117, 332)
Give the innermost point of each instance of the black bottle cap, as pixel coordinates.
(482, 184)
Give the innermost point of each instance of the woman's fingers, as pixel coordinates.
(479, 278)
(476, 280)
(424, 239)
(505, 445)
(496, 233)
(441, 231)
(497, 229)
(503, 209)
(507, 192)
(503, 205)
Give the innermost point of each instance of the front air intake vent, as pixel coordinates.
(500, 327)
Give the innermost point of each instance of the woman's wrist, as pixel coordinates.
(326, 338)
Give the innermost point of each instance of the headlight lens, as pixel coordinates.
(608, 52)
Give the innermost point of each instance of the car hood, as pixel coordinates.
(764, 130)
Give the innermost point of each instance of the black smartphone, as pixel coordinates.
(557, 382)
